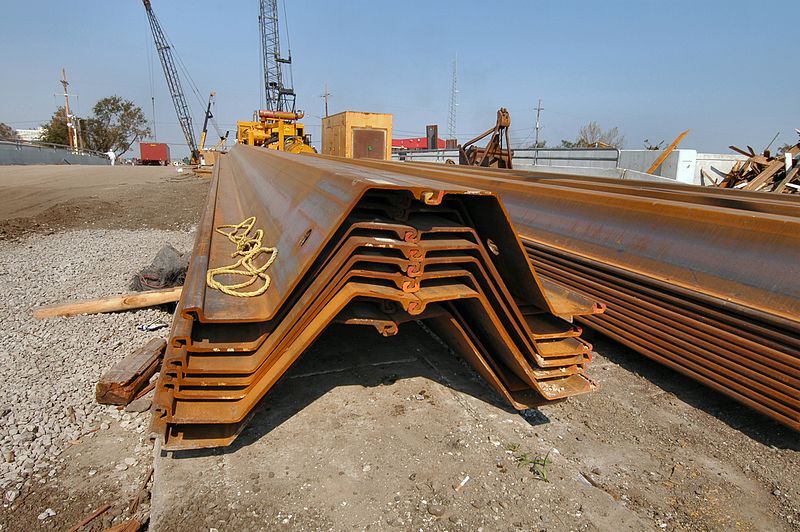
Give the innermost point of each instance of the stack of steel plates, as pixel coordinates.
(704, 281)
(361, 247)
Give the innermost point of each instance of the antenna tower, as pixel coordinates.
(451, 112)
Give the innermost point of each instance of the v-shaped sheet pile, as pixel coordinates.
(357, 246)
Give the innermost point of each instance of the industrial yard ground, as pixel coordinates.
(365, 432)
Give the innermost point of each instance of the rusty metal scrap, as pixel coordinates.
(493, 154)
(364, 247)
(702, 280)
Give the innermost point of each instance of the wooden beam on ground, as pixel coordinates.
(130, 301)
(132, 525)
(791, 174)
(120, 384)
(91, 517)
(670, 149)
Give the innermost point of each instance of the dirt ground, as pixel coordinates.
(49, 198)
(372, 432)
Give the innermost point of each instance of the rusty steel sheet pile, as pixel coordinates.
(289, 244)
(704, 281)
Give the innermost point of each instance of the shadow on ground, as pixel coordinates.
(736, 415)
(351, 355)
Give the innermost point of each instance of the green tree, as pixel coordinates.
(7, 132)
(55, 131)
(117, 123)
(593, 136)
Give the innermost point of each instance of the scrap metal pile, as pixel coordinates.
(359, 246)
(701, 280)
(765, 173)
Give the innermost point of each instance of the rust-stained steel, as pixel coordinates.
(702, 280)
(494, 154)
(362, 246)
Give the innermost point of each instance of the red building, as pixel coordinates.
(419, 143)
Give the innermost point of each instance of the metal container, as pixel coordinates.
(357, 135)
(154, 153)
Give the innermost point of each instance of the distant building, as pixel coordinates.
(30, 135)
(419, 143)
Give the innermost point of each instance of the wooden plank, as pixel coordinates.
(120, 384)
(740, 151)
(791, 174)
(774, 167)
(760, 159)
(126, 526)
(663, 156)
(91, 517)
(704, 176)
(111, 304)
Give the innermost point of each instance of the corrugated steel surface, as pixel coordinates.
(366, 247)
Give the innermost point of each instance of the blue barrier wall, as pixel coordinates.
(24, 153)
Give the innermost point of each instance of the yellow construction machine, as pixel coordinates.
(276, 130)
(277, 126)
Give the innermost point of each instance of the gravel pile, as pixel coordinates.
(49, 368)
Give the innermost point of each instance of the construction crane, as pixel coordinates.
(277, 126)
(208, 157)
(279, 96)
(174, 83)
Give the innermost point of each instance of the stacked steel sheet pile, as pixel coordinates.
(358, 246)
(702, 280)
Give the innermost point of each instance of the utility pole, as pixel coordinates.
(153, 103)
(539, 109)
(71, 131)
(325, 97)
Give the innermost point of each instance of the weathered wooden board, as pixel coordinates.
(120, 384)
(133, 300)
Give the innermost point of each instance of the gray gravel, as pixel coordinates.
(49, 368)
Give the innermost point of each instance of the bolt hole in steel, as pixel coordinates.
(492, 247)
(305, 237)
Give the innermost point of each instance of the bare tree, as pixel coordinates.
(593, 136)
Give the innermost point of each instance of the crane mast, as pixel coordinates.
(277, 126)
(173, 82)
(279, 97)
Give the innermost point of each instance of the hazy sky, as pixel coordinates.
(653, 69)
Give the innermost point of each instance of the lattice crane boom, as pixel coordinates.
(173, 82)
(279, 95)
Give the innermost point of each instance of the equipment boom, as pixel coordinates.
(173, 81)
(279, 96)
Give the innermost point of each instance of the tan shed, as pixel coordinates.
(358, 135)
